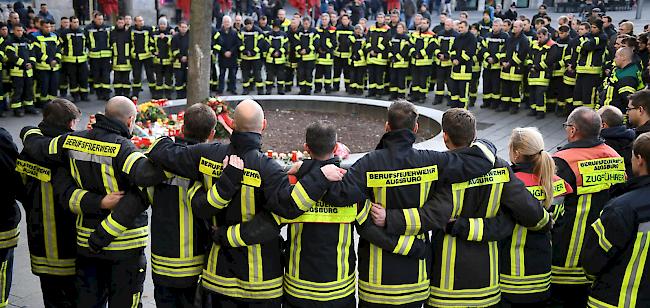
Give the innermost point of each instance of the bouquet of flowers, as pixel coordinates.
(151, 111)
(223, 111)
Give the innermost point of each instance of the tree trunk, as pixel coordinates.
(199, 54)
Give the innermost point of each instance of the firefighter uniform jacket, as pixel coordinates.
(98, 41)
(73, 46)
(616, 249)
(253, 272)
(399, 51)
(141, 40)
(102, 160)
(463, 50)
(378, 39)
(494, 46)
(121, 48)
(399, 177)
(180, 47)
(358, 51)
(19, 53)
(326, 46)
(50, 224)
(591, 54)
(569, 77)
(294, 42)
(423, 43)
(541, 63)
(11, 190)
(307, 39)
(465, 252)
(564, 55)
(517, 49)
(620, 84)
(162, 47)
(485, 28)
(252, 44)
(278, 43)
(444, 42)
(46, 48)
(591, 167)
(178, 239)
(343, 43)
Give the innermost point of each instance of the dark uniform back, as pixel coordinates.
(47, 49)
(341, 56)
(180, 47)
(121, 45)
(75, 62)
(142, 57)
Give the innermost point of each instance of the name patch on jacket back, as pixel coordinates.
(91, 146)
(40, 173)
(402, 177)
(495, 176)
(214, 169)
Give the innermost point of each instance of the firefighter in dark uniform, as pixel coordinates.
(99, 51)
(180, 48)
(444, 42)
(423, 42)
(214, 73)
(6, 80)
(262, 187)
(178, 238)
(21, 62)
(581, 163)
(357, 61)
(50, 223)
(64, 25)
(387, 176)
(104, 161)
(75, 60)
(512, 69)
(399, 57)
(558, 92)
(12, 190)
(122, 47)
(461, 53)
(250, 49)
(476, 66)
(623, 81)
(276, 58)
(543, 56)
(485, 25)
(227, 46)
(493, 52)
(616, 244)
(142, 55)
(342, 53)
(308, 40)
(292, 64)
(47, 51)
(162, 61)
(377, 58)
(589, 66)
(325, 56)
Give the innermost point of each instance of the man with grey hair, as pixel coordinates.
(162, 61)
(492, 48)
(616, 134)
(591, 167)
(226, 46)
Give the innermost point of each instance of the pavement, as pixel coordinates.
(25, 291)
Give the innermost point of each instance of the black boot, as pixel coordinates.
(31, 110)
(260, 91)
(532, 113)
(84, 96)
(19, 112)
(76, 98)
(437, 100)
(487, 103)
(541, 115)
(514, 109)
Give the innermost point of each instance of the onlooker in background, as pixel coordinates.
(19, 8)
(44, 14)
(81, 10)
(608, 27)
(616, 134)
(638, 111)
(357, 9)
(499, 13)
(424, 12)
(408, 9)
(541, 12)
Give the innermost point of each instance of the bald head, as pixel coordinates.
(249, 117)
(122, 109)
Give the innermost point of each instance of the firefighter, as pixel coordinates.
(624, 80)
(178, 238)
(121, 45)
(377, 57)
(50, 223)
(616, 243)
(6, 79)
(75, 60)
(64, 25)
(99, 51)
(110, 264)
(21, 60)
(250, 49)
(307, 41)
(142, 55)
(162, 52)
(444, 41)
(180, 48)
(227, 46)
(263, 188)
(357, 61)
(476, 66)
(324, 60)
(10, 213)
(423, 42)
(387, 176)
(276, 58)
(493, 52)
(47, 51)
(399, 57)
(342, 53)
(485, 25)
(292, 58)
(578, 162)
(558, 92)
(512, 69)
(461, 53)
(214, 73)
(589, 65)
(543, 55)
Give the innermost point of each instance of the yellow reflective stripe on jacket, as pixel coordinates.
(234, 287)
(129, 239)
(53, 147)
(325, 213)
(301, 198)
(412, 220)
(568, 275)
(527, 284)
(400, 294)
(90, 146)
(36, 171)
(319, 291)
(113, 227)
(517, 245)
(578, 231)
(602, 239)
(404, 244)
(635, 267)
(402, 177)
(376, 262)
(364, 212)
(75, 201)
(49, 220)
(594, 303)
(52, 266)
(215, 199)
(33, 131)
(542, 222)
(475, 229)
(9, 238)
(234, 236)
(482, 297)
(177, 267)
(130, 161)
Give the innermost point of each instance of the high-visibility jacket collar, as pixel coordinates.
(401, 139)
